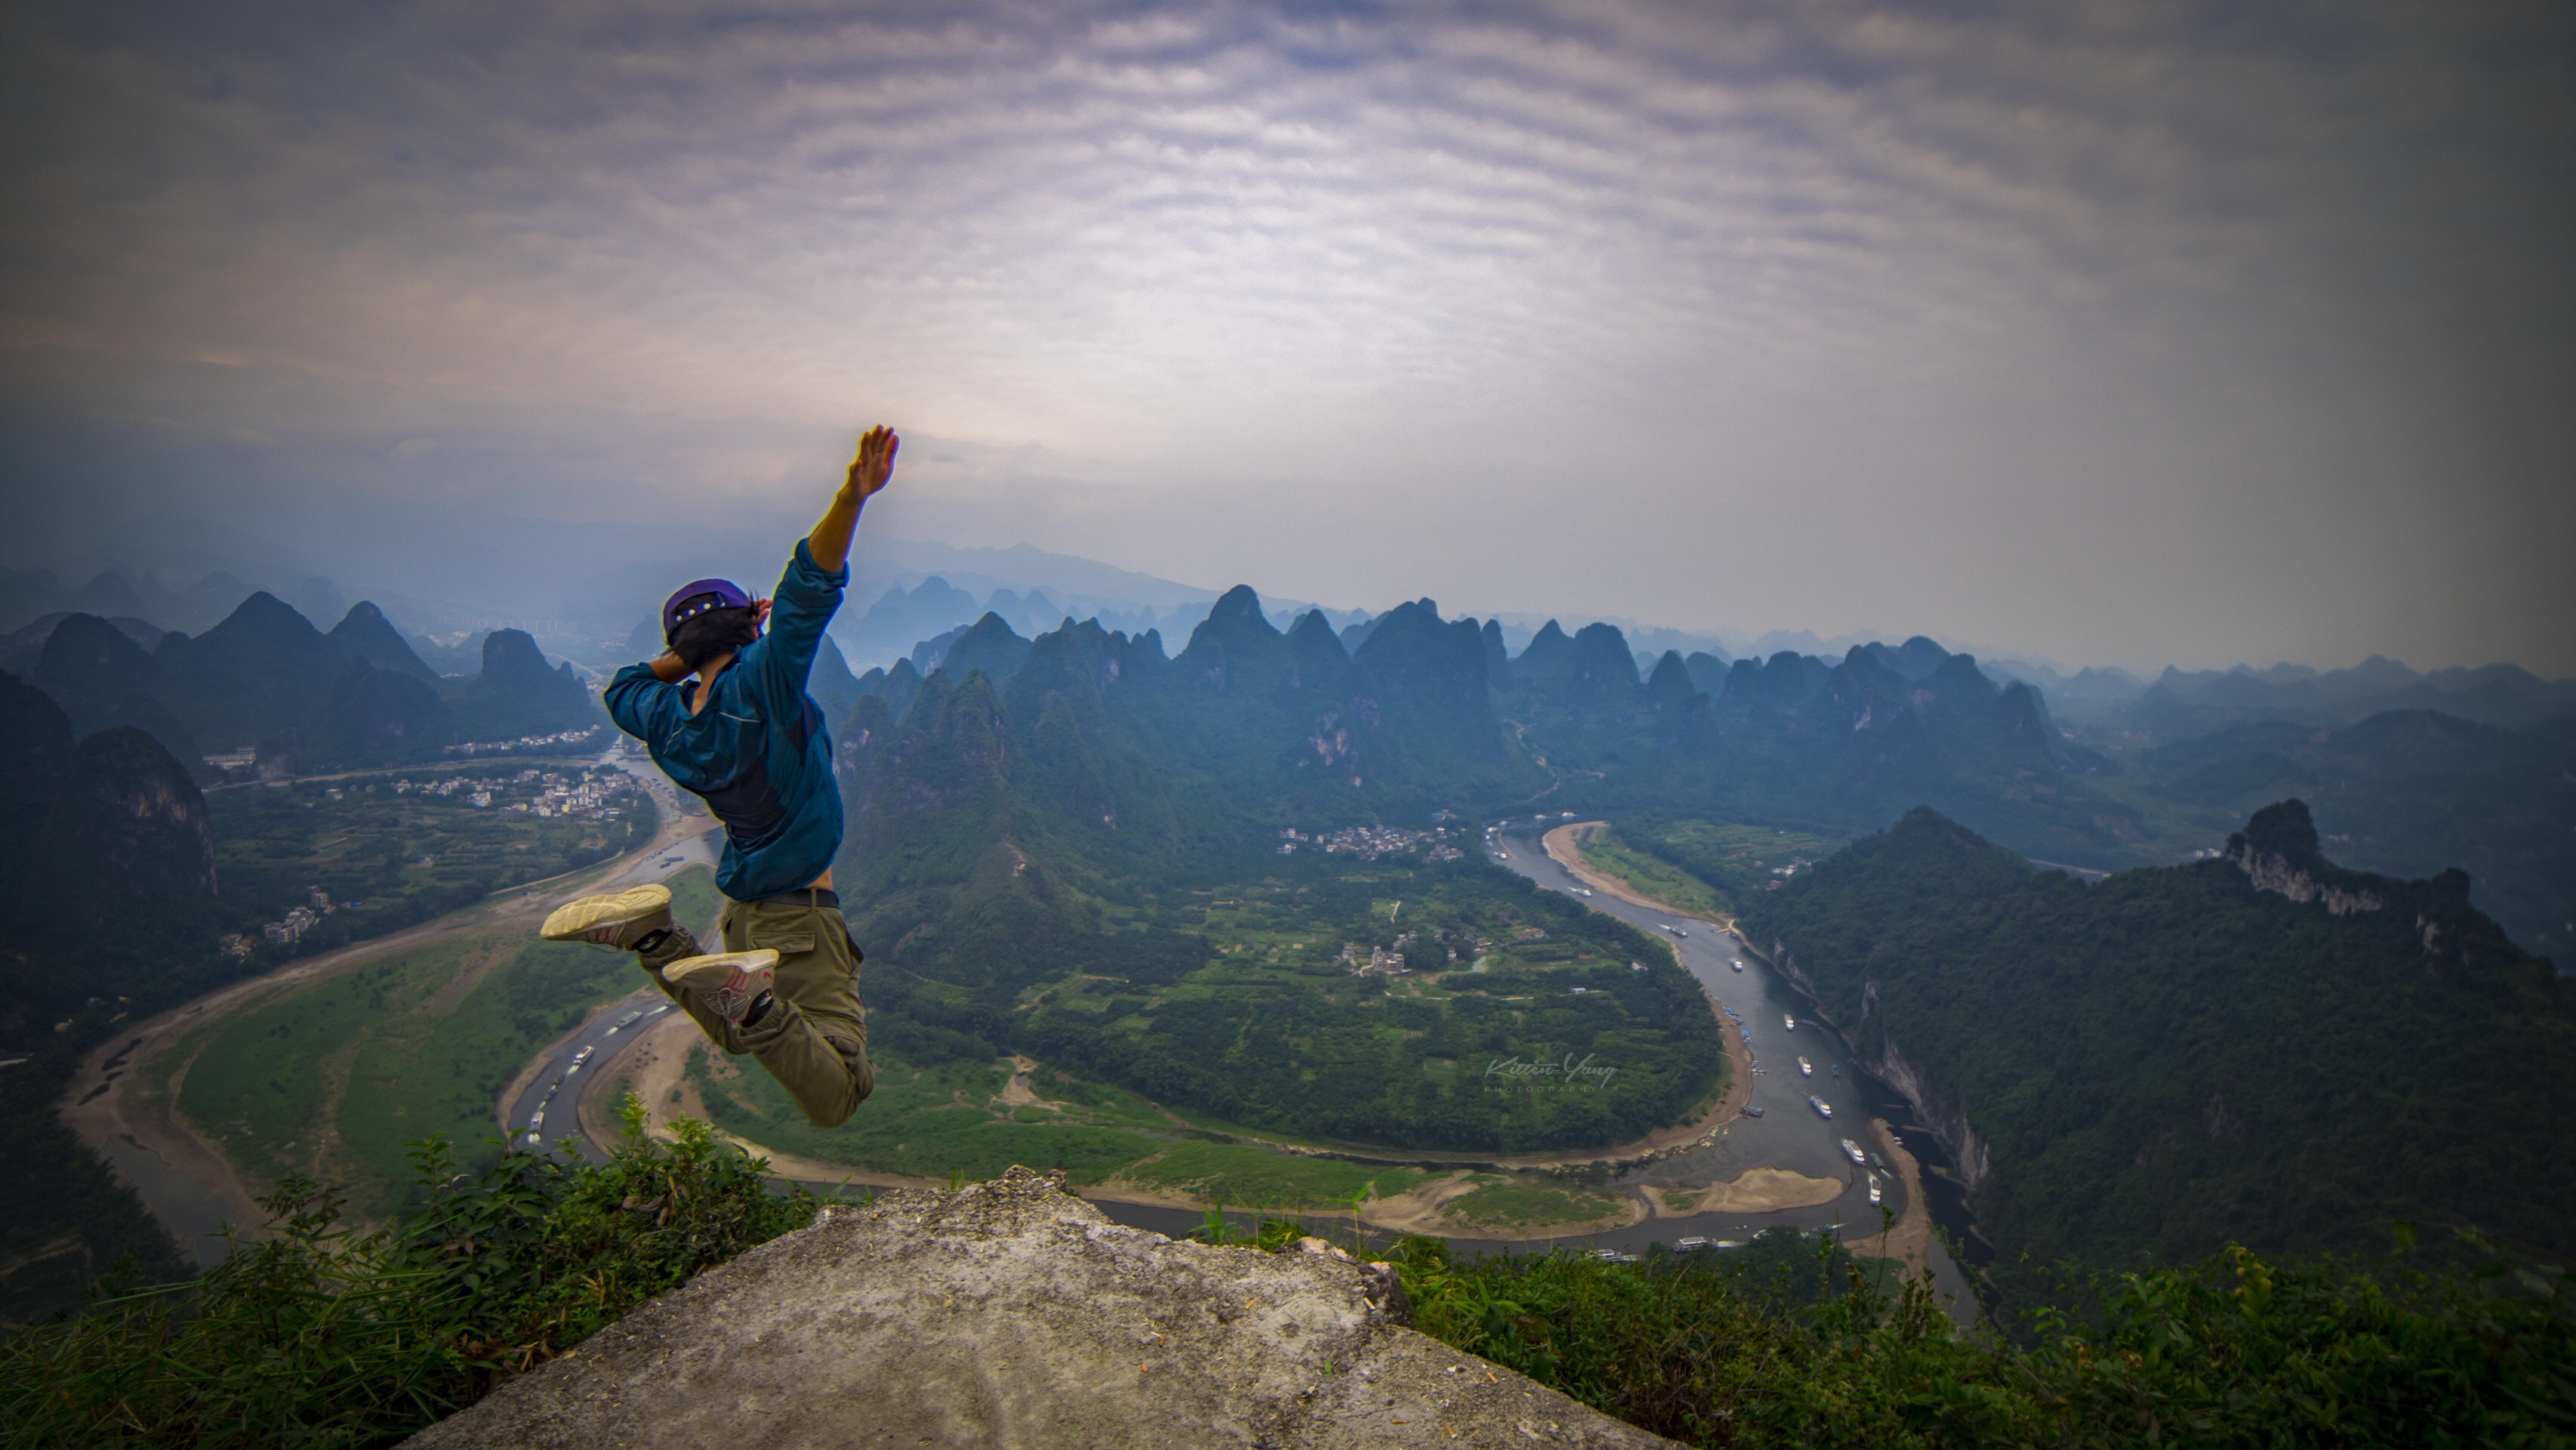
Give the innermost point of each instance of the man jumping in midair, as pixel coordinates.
(743, 736)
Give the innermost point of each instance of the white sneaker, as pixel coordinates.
(730, 983)
(620, 920)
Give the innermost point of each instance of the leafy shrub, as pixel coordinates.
(321, 1336)
(2234, 1352)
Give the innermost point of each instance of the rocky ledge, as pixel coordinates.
(1013, 1313)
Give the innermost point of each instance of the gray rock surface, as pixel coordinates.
(1011, 1313)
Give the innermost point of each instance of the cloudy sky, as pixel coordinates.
(2129, 333)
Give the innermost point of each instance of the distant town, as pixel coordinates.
(1370, 842)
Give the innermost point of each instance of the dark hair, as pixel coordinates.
(702, 637)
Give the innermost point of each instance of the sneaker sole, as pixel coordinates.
(590, 913)
(714, 971)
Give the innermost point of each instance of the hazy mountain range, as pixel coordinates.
(2098, 768)
(264, 680)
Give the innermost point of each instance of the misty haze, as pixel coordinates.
(1806, 725)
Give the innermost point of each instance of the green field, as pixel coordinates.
(396, 847)
(1241, 1175)
(1661, 880)
(1737, 862)
(933, 1122)
(937, 1121)
(1505, 1205)
(337, 1078)
(1394, 1002)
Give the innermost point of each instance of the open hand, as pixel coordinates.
(875, 463)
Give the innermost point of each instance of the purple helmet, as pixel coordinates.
(697, 597)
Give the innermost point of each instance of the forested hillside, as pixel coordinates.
(2407, 792)
(2262, 1049)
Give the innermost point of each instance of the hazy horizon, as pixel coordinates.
(2090, 335)
(980, 570)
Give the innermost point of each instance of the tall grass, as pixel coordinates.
(320, 1336)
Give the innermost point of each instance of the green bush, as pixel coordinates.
(2233, 1352)
(317, 1336)
(320, 1336)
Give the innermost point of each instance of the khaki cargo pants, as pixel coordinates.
(814, 1037)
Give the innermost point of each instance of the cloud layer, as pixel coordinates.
(2113, 331)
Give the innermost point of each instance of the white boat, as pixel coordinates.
(1737, 963)
(1689, 1245)
(1790, 1020)
(1806, 1068)
(1824, 1110)
(1857, 1156)
(1873, 1188)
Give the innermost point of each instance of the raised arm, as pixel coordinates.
(829, 543)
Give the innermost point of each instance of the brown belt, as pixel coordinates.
(820, 898)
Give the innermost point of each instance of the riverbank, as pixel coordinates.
(1564, 846)
(1911, 1238)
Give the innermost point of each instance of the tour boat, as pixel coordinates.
(1873, 1188)
(1691, 1244)
(1823, 1109)
(1790, 1019)
(1806, 1068)
(1857, 1156)
(1737, 963)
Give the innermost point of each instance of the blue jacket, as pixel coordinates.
(758, 755)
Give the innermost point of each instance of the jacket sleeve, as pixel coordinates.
(639, 702)
(806, 600)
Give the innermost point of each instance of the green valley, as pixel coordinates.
(1737, 861)
(366, 853)
(334, 1079)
